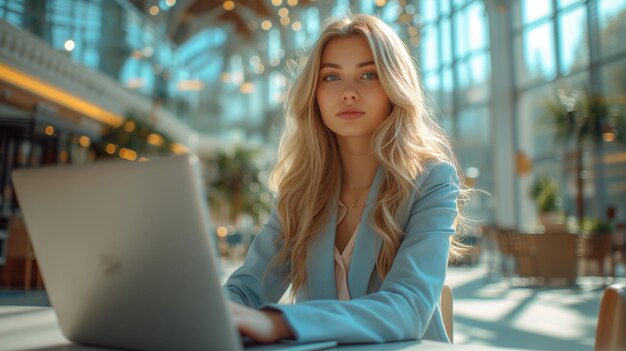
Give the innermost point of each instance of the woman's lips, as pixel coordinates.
(350, 114)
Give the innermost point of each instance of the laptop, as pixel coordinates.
(127, 254)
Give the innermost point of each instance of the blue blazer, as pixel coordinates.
(403, 306)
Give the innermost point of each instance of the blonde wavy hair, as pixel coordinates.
(307, 177)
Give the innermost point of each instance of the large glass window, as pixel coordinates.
(566, 3)
(13, 12)
(461, 40)
(455, 61)
(537, 57)
(612, 22)
(76, 27)
(533, 10)
(428, 10)
(540, 87)
(446, 40)
(473, 147)
(430, 53)
(476, 26)
(573, 44)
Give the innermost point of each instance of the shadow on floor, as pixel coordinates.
(24, 298)
(503, 313)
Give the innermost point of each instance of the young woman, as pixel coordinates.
(367, 202)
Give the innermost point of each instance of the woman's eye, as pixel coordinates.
(331, 78)
(369, 75)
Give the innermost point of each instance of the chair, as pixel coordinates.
(596, 248)
(20, 257)
(447, 311)
(611, 328)
(525, 255)
(509, 244)
(557, 264)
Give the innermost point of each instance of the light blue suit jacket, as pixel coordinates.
(405, 305)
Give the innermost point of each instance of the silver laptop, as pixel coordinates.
(127, 254)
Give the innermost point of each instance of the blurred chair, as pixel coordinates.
(447, 311)
(611, 328)
(508, 246)
(556, 257)
(525, 253)
(20, 257)
(490, 245)
(596, 248)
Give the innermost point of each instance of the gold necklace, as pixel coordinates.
(355, 203)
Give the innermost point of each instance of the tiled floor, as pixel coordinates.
(491, 311)
(497, 312)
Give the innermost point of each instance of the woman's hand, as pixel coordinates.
(264, 326)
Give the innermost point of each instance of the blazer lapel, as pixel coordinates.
(367, 246)
(321, 261)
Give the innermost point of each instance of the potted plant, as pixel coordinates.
(596, 242)
(597, 227)
(544, 192)
(584, 118)
(234, 176)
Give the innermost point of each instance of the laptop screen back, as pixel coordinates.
(127, 253)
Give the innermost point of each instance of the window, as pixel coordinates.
(13, 12)
(612, 22)
(428, 10)
(537, 48)
(535, 53)
(455, 61)
(573, 44)
(533, 10)
(430, 53)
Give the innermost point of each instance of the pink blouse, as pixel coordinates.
(342, 260)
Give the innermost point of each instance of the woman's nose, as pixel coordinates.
(350, 95)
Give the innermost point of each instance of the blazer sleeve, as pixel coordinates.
(406, 301)
(253, 283)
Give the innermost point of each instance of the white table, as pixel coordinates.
(37, 328)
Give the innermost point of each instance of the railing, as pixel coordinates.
(30, 55)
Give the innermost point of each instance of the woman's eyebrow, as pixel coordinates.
(334, 65)
(366, 63)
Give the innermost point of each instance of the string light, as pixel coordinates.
(228, 5)
(69, 45)
(84, 141)
(129, 126)
(110, 149)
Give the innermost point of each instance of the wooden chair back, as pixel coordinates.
(20, 257)
(447, 311)
(611, 328)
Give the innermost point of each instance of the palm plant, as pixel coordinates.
(581, 119)
(234, 177)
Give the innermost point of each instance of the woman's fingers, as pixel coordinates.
(235, 308)
(262, 326)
